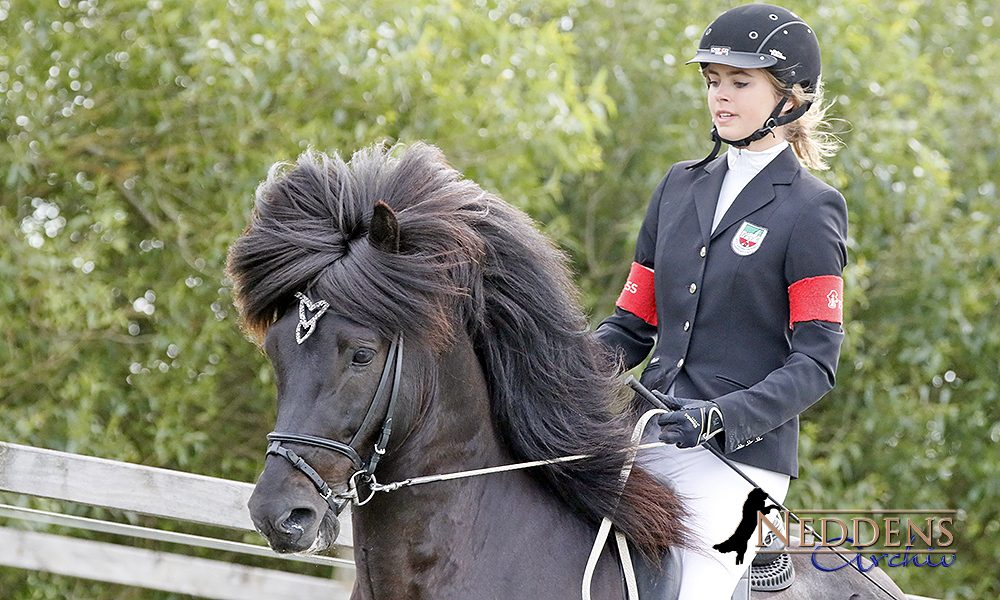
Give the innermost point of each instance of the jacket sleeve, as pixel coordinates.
(816, 248)
(627, 335)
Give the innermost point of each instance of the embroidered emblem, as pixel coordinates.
(833, 300)
(720, 50)
(306, 327)
(748, 239)
(777, 54)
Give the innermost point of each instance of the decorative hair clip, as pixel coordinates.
(306, 327)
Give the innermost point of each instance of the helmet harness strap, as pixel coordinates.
(775, 120)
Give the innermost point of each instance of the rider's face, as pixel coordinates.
(740, 101)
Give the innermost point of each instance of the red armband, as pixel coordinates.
(816, 298)
(638, 296)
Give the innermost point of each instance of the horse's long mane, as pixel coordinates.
(469, 264)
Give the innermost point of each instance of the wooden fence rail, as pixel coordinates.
(159, 493)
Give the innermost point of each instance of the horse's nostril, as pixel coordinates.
(296, 521)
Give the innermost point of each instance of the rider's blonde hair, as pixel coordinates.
(807, 135)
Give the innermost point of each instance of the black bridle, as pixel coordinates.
(383, 403)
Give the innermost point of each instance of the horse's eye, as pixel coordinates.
(363, 356)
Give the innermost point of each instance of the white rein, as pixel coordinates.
(603, 531)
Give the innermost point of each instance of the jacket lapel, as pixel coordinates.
(760, 190)
(706, 194)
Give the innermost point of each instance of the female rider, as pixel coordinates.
(736, 285)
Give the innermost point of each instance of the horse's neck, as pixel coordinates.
(453, 430)
(483, 536)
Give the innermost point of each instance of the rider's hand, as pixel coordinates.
(692, 423)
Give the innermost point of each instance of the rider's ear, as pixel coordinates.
(383, 233)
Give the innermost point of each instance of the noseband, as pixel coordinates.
(383, 403)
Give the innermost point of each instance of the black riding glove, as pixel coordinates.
(692, 422)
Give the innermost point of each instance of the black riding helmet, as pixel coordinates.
(762, 36)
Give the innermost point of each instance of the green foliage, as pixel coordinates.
(138, 133)
(914, 419)
(135, 133)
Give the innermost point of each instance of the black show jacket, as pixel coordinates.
(722, 330)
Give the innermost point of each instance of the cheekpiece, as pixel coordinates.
(306, 327)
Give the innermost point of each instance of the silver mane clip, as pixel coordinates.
(306, 327)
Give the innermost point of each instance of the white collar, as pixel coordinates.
(749, 161)
(743, 166)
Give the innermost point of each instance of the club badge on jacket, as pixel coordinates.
(748, 238)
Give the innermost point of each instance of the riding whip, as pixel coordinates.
(643, 391)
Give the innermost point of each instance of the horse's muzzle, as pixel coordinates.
(293, 518)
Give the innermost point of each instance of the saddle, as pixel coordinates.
(770, 571)
(663, 583)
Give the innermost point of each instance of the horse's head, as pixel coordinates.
(337, 399)
(337, 262)
(338, 385)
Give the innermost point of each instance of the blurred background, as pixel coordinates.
(134, 134)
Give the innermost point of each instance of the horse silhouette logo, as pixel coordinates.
(738, 541)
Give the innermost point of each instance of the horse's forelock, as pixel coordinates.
(308, 231)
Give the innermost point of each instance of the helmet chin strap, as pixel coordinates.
(775, 120)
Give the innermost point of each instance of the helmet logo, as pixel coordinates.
(777, 54)
(720, 50)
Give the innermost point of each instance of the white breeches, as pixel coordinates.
(714, 494)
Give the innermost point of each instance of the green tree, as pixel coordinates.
(135, 134)
(913, 421)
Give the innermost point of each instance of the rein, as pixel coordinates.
(384, 401)
(367, 474)
(391, 487)
(624, 554)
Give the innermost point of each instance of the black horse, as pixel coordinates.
(345, 265)
(499, 367)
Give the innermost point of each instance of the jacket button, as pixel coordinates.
(703, 252)
(687, 325)
(693, 288)
(680, 363)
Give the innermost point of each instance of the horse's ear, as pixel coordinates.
(383, 233)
